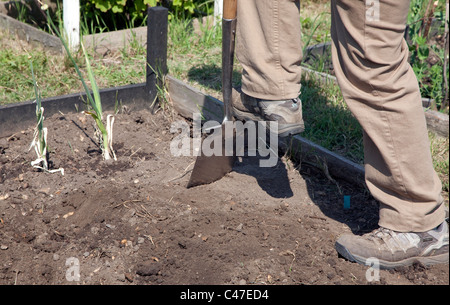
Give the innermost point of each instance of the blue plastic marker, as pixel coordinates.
(346, 202)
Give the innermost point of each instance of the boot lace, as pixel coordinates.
(394, 241)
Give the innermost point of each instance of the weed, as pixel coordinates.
(427, 60)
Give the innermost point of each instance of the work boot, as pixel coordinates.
(288, 113)
(394, 249)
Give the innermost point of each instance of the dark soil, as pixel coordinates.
(133, 221)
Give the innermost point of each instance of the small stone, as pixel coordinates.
(147, 269)
(121, 277)
(4, 247)
(129, 277)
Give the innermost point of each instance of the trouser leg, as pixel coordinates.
(370, 59)
(268, 45)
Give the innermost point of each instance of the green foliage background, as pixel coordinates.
(103, 15)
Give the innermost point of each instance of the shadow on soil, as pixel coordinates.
(362, 215)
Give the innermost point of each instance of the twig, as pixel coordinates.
(324, 167)
(428, 17)
(10, 138)
(183, 174)
(134, 152)
(151, 239)
(148, 214)
(317, 217)
(125, 202)
(17, 273)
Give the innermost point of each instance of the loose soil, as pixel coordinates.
(133, 221)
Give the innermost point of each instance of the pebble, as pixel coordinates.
(148, 268)
(239, 227)
(121, 277)
(95, 230)
(4, 247)
(129, 277)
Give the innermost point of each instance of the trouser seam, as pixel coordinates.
(398, 176)
(276, 34)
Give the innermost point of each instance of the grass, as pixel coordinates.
(328, 122)
(56, 74)
(315, 20)
(16, 83)
(194, 56)
(440, 153)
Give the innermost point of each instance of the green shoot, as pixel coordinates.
(94, 99)
(162, 93)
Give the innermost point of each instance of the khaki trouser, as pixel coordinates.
(370, 59)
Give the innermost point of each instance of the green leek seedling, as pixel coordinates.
(94, 99)
(97, 113)
(40, 133)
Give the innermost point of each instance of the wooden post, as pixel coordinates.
(71, 18)
(157, 24)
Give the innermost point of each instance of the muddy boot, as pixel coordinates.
(394, 249)
(288, 113)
